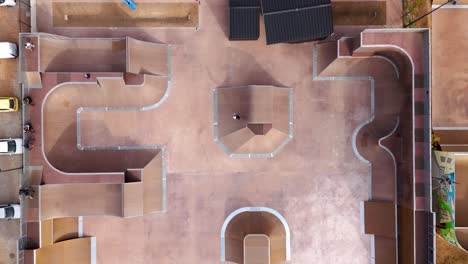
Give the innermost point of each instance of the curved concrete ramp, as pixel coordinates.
(391, 100)
(59, 229)
(61, 142)
(380, 140)
(125, 74)
(248, 221)
(265, 123)
(73, 251)
(462, 237)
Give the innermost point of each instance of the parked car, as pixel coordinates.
(7, 2)
(10, 211)
(9, 104)
(11, 146)
(8, 50)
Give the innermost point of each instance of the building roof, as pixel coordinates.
(244, 19)
(297, 20)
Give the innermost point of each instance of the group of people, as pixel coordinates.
(27, 192)
(28, 128)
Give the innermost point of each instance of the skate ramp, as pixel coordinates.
(65, 200)
(154, 185)
(254, 221)
(147, 58)
(265, 123)
(462, 237)
(60, 54)
(73, 251)
(59, 229)
(143, 192)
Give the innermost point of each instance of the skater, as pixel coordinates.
(27, 128)
(29, 46)
(236, 116)
(27, 100)
(27, 192)
(87, 75)
(29, 145)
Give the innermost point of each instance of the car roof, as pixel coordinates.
(7, 49)
(3, 149)
(5, 102)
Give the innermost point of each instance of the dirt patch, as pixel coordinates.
(119, 15)
(447, 253)
(413, 9)
(359, 13)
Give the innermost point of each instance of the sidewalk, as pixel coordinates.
(10, 126)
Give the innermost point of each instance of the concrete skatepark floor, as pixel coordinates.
(317, 170)
(316, 178)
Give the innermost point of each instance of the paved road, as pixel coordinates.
(10, 126)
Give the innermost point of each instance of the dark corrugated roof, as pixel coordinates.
(297, 20)
(244, 19)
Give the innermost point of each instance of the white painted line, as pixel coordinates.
(80, 226)
(93, 250)
(450, 6)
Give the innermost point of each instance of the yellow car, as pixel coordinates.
(9, 104)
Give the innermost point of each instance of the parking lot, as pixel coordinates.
(10, 127)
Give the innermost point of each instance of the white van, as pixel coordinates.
(7, 2)
(8, 50)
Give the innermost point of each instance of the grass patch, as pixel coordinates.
(413, 9)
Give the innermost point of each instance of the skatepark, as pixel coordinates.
(136, 135)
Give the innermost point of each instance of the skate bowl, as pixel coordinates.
(264, 125)
(255, 235)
